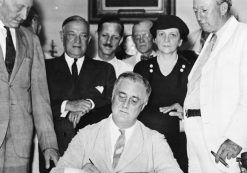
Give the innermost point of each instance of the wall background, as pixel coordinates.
(55, 11)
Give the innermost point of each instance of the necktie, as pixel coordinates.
(144, 57)
(119, 147)
(202, 61)
(10, 52)
(74, 70)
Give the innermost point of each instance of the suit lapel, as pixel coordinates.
(101, 155)
(3, 71)
(21, 47)
(132, 150)
(230, 29)
(87, 69)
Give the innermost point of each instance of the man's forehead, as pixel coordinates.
(142, 28)
(131, 87)
(202, 3)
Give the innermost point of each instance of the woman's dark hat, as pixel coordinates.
(170, 21)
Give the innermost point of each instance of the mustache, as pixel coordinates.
(107, 45)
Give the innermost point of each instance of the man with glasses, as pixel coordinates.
(143, 41)
(216, 100)
(80, 88)
(120, 143)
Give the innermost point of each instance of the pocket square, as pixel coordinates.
(100, 89)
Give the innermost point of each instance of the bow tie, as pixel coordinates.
(144, 57)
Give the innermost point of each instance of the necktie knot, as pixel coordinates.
(122, 131)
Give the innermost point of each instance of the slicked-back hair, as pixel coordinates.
(75, 18)
(135, 77)
(111, 19)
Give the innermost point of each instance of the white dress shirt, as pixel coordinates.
(3, 35)
(119, 66)
(79, 64)
(115, 133)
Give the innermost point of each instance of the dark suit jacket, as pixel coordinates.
(24, 99)
(94, 74)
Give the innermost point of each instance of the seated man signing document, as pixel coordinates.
(120, 143)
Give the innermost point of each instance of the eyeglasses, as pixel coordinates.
(122, 97)
(145, 36)
(73, 35)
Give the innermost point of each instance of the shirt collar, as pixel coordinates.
(115, 129)
(112, 61)
(70, 60)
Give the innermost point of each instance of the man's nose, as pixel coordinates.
(199, 16)
(126, 103)
(77, 39)
(24, 13)
(109, 40)
(142, 39)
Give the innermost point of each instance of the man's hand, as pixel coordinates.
(178, 110)
(228, 150)
(78, 106)
(89, 168)
(75, 117)
(50, 154)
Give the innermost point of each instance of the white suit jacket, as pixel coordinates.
(223, 89)
(146, 151)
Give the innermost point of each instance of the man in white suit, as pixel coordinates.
(141, 149)
(216, 103)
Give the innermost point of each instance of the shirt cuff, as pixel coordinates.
(92, 103)
(63, 112)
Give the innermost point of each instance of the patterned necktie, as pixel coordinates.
(202, 61)
(10, 52)
(74, 70)
(144, 57)
(119, 147)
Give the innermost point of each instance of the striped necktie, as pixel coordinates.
(119, 147)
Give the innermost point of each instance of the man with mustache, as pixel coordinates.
(110, 35)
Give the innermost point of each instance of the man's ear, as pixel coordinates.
(223, 8)
(89, 38)
(120, 41)
(61, 35)
(144, 104)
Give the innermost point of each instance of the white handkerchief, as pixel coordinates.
(100, 89)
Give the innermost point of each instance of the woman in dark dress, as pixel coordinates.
(167, 74)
